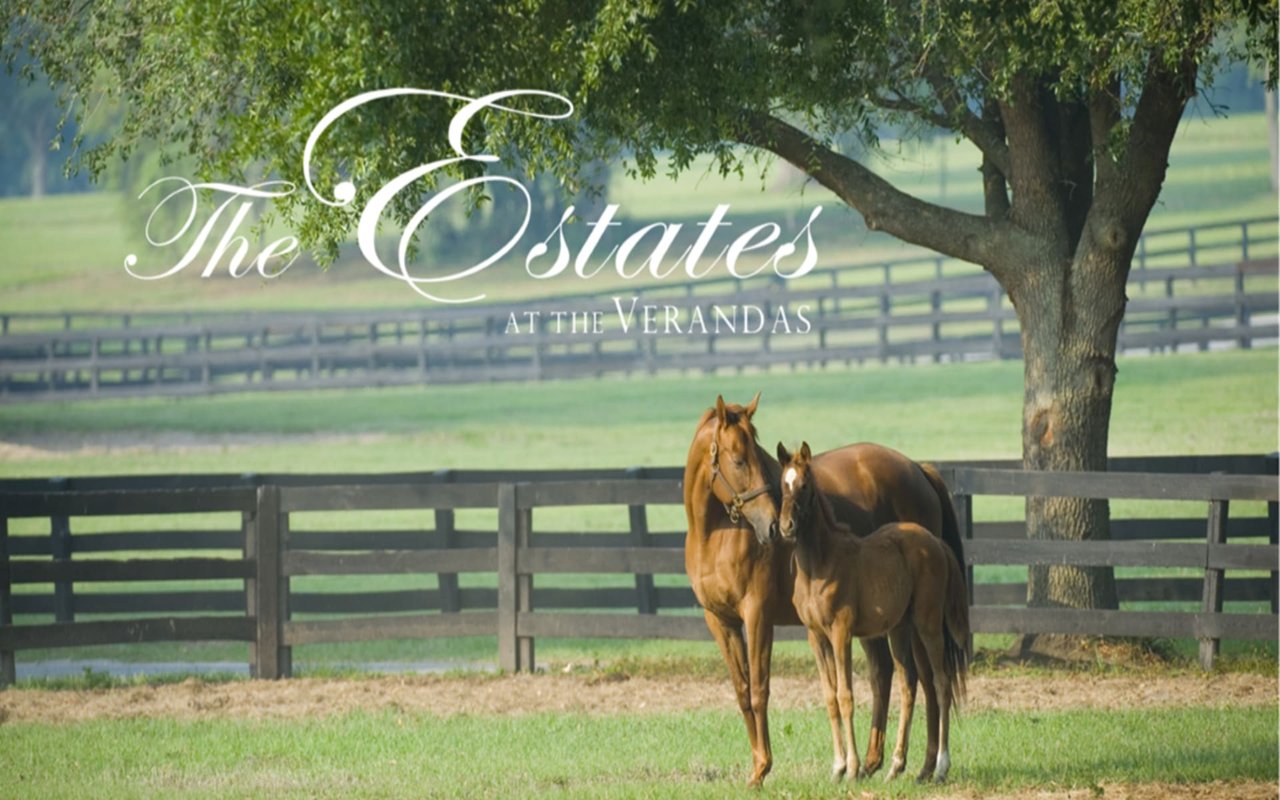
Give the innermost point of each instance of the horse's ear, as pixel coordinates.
(721, 411)
(784, 457)
(751, 407)
(805, 452)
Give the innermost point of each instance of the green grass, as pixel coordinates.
(1185, 404)
(697, 754)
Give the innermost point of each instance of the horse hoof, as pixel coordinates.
(868, 771)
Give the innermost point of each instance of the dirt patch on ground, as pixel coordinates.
(1216, 790)
(592, 694)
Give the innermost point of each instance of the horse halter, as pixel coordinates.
(734, 507)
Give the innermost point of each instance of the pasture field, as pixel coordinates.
(595, 736)
(1184, 404)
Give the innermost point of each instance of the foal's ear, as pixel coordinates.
(805, 452)
(721, 411)
(751, 407)
(784, 457)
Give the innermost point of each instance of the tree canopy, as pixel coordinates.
(239, 85)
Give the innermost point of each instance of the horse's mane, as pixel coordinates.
(733, 414)
(825, 515)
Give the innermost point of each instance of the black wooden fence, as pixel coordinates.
(1201, 287)
(266, 551)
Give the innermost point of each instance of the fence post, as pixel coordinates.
(1242, 311)
(963, 504)
(447, 582)
(646, 597)
(8, 666)
(1216, 533)
(1273, 533)
(515, 653)
(271, 661)
(64, 603)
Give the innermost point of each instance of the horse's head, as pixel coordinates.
(797, 489)
(738, 476)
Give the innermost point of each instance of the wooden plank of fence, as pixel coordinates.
(1215, 535)
(1104, 485)
(153, 629)
(123, 503)
(1139, 590)
(388, 562)
(159, 602)
(656, 491)
(155, 540)
(396, 600)
(1096, 622)
(142, 569)
(1087, 553)
(640, 560)
(1242, 556)
(363, 629)
(362, 497)
(613, 626)
(364, 541)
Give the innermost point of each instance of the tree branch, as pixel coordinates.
(986, 133)
(966, 236)
(1104, 115)
(1036, 178)
(955, 116)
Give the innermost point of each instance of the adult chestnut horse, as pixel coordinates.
(741, 574)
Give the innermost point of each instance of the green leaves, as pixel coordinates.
(238, 86)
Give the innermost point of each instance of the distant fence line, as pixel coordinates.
(1199, 287)
(271, 548)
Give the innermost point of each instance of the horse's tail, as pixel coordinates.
(950, 533)
(955, 629)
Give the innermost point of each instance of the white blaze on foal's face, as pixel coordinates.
(789, 478)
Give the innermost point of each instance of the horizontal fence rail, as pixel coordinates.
(240, 580)
(1209, 286)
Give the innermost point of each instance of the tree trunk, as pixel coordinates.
(1070, 316)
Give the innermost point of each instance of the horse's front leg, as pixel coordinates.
(827, 673)
(880, 676)
(728, 635)
(841, 644)
(759, 630)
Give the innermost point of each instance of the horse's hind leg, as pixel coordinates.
(936, 648)
(905, 665)
(823, 654)
(880, 676)
(734, 649)
(930, 705)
